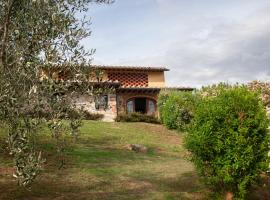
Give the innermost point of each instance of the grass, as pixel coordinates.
(99, 166)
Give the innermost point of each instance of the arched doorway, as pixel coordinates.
(142, 105)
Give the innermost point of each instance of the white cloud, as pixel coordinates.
(230, 52)
(202, 43)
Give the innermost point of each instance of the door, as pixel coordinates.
(140, 105)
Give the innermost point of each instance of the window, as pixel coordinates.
(151, 107)
(130, 106)
(101, 102)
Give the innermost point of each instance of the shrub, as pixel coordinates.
(83, 114)
(178, 110)
(70, 114)
(137, 117)
(92, 116)
(162, 98)
(228, 139)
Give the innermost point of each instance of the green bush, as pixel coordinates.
(92, 116)
(70, 114)
(136, 117)
(162, 98)
(83, 114)
(178, 110)
(228, 139)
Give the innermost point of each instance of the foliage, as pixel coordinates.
(214, 90)
(93, 116)
(162, 98)
(178, 110)
(264, 89)
(136, 117)
(40, 39)
(27, 168)
(228, 139)
(84, 114)
(75, 113)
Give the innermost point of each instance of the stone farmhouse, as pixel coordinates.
(136, 90)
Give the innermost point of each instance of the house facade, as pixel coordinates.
(136, 89)
(132, 89)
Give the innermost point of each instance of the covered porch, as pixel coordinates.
(141, 100)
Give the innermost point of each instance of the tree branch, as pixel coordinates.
(5, 34)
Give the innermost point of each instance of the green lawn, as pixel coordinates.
(99, 166)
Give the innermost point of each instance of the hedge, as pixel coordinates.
(136, 117)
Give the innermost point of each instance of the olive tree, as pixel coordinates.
(37, 37)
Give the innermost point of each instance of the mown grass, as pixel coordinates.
(100, 166)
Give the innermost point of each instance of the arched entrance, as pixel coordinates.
(142, 105)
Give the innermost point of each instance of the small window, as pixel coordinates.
(130, 106)
(151, 107)
(101, 102)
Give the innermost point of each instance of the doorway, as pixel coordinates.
(140, 105)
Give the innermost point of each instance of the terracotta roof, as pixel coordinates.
(129, 68)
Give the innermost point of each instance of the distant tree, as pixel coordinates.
(264, 90)
(39, 36)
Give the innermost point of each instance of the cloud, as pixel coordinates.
(202, 43)
(222, 51)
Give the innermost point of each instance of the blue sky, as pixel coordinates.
(200, 41)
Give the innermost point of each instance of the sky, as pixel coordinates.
(202, 42)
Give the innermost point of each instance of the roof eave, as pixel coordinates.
(129, 68)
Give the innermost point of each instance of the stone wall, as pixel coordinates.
(86, 102)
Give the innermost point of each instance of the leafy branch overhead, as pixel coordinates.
(39, 39)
